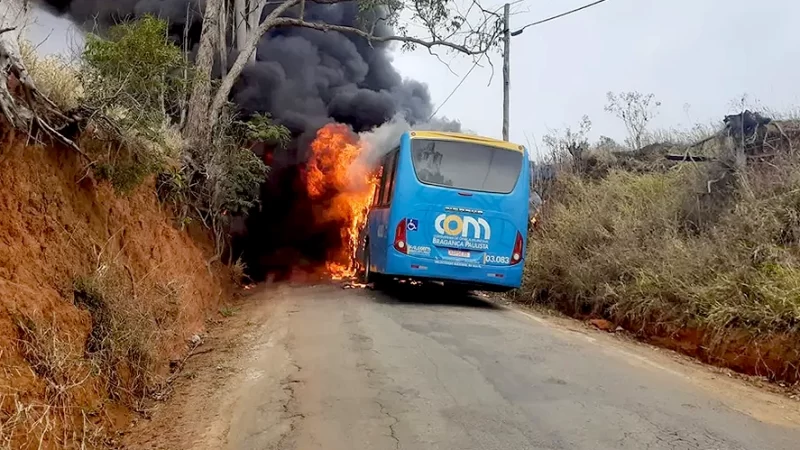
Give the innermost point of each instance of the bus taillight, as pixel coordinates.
(400, 243)
(516, 256)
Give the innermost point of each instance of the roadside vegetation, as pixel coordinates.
(131, 89)
(687, 239)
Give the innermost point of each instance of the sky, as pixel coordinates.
(698, 57)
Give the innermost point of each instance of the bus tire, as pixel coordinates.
(377, 280)
(368, 275)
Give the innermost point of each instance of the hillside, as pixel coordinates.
(689, 244)
(99, 292)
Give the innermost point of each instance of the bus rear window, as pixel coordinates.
(463, 165)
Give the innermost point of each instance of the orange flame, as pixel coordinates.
(336, 175)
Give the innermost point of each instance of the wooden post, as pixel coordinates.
(506, 68)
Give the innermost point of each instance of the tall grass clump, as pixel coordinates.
(133, 321)
(56, 77)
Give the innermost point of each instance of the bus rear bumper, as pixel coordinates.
(484, 277)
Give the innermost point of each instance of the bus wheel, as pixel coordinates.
(367, 275)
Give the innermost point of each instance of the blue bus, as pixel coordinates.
(450, 208)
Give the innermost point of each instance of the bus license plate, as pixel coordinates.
(458, 253)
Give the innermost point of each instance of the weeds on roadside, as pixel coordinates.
(228, 311)
(238, 272)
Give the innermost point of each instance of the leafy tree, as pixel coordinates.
(138, 70)
(223, 179)
(261, 128)
(137, 79)
(138, 76)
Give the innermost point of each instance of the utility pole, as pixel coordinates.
(506, 68)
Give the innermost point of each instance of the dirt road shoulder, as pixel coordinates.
(201, 402)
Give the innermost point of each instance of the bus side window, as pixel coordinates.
(382, 183)
(387, 180)
(393, 179)
(376, 198)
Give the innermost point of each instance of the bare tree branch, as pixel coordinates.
(326, 27)
(245, 54)
(444, 26)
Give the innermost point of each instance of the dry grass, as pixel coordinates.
(122, 355)
(56, 77)
(658, 253)
(59, 362)
(56, 359)
(238, 271)
(25, 425)
(132, 322)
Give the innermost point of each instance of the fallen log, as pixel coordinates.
(688, 158)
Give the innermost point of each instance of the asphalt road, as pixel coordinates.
(356, 369)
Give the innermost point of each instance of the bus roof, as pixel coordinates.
(461, 137)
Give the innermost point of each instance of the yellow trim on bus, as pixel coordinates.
(461, 137)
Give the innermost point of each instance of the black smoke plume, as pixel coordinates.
(304, 78)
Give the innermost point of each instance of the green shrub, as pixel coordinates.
(136, 73)
(126, 174)
(138, 79)
(222, 179)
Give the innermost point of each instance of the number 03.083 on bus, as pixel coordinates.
(450, 207)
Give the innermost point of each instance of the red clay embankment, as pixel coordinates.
(98, 293)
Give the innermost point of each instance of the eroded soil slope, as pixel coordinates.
(98, 292)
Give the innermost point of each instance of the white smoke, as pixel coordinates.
(381, 140)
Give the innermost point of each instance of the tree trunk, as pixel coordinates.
(222, 42)
(184, 103)
(197, 129)
(256, 8)
(245, 55)
(11, 22)
(240, 23)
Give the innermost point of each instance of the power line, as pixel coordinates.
(558, 16)
(515, 33)
(474, 65)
